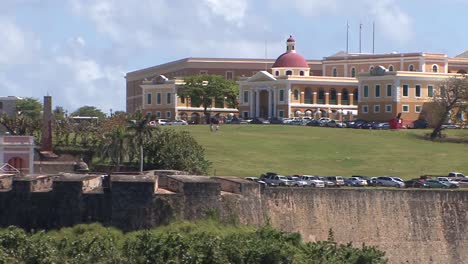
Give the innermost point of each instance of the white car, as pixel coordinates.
(177, 123)
(313, 181)
(355, 181)
(447, 181)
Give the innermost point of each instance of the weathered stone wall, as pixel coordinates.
(411, 226)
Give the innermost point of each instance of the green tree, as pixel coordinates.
(29, 107)
(207, 88)
(89, 111)
(140, 132)
(116, 146)
(451, 94)
(177, 150)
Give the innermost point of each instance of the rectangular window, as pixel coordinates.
(418, 91)
(246, 114)
(417, 109)
(405, 108)
(281, 95)
(377, 90)
(389, 90)
(376, 108)
(229, 75)
(246, 96)
(168, 98)
(182, 100)
(366, 91)
(158, 114)
(158, 98)
(203, 72)
(168, 114)
(365, 109)
(405, 89)
(148, 99)
(388, 108)
(281, 113)
(430, 91)
(442, 90)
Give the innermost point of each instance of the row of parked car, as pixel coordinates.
(273, 179)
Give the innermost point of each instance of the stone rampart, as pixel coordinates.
(411, 226)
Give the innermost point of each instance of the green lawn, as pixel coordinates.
(249, 150)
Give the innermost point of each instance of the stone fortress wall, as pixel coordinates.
(411, 226)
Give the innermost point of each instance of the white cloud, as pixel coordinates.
(231, 11)
(16, 45)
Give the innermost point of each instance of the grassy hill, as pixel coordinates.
(249, 150)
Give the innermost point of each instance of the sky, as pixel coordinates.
(78, 51)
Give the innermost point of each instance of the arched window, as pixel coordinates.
(335, 72)
(308, 96)
(355, 96)
(371, 69)
(391, 68)
(344, 97)
(411, 67)
(435, 68)
(296, 95)
(353, 72)
(332, 96)
(301, 73)
(277, 73)
(289, 72)
(321, 96)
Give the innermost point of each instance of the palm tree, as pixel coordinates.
(141, 132)
(116, 146)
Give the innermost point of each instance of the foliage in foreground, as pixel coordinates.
(182, 242)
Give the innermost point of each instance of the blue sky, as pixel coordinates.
(78, 51)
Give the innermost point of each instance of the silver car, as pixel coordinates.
(390, 182)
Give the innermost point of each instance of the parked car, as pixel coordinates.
(437, 184)
(463, 183)
(162, 122)
(327, 182)
(259, 120)
(450, 126)
(384, 125)
(337, 180)
(297, 122)
(420, 124)
(313, 181)
(315, 122)
(448, 181)
(366, 178)
(389, 181)
(256, 179)
(276, 120)
(360, 124)
(355, 181)
(456, 174)
(415, 183)
(177, 123)
(297, 181)
(335, 123)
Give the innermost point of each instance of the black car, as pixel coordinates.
(315, 123)
(415, 184)
(259, 120)
(359, 124)
(420, 123)
(276, 120)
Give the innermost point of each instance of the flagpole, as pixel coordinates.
(347, 37)
(360, 29)
(373, 37)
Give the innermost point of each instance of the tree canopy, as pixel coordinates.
(205, 89)
(452, 94)
(29, 107)
(89, 111)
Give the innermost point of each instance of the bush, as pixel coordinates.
(176, 150)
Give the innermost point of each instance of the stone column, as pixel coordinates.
(213, 102)
(350, 98)
(314, 98)
(338, 98)
(224, 102)
(269, 104)
(274, 102)
(327, 98)
(301, 97)
(257, 103)
(47, 124)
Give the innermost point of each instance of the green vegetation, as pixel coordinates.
(183, 242)
(249, 150)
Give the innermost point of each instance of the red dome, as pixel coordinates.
(290, 60)
(291, 39)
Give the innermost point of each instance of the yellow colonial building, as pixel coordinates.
(290, 90)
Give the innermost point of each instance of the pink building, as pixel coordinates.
(18, 152)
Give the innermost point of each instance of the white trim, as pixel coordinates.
(415, 108)
(386, 90)
(390, 108)
(415, 90)
(403, 108)
(376, 105)
(289, 99)
(213, 109)
(324, 106)
(432, 68)
(409, 68)
(365, 106)
(396, 89)
(403, 90)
